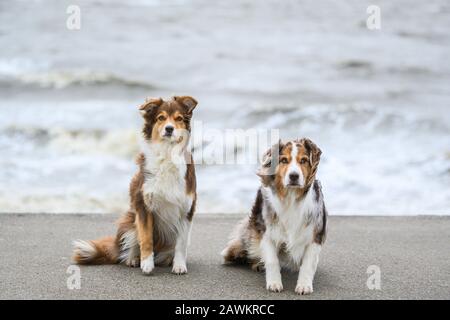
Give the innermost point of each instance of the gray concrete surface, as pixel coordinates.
(412, 253)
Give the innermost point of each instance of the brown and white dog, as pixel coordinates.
(287, 225)
(156, 228)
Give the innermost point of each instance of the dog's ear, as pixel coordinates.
(269, 162)
(314, 155)
(314, 152)
(186, 101)
(150, 104)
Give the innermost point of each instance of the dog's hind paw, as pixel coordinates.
(257, 267)
(134, 263)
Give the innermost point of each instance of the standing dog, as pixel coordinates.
(287, 225)
(156, 228)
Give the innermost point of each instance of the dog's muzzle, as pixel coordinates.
(168, 131)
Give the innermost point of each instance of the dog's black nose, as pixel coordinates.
(294, 177)
(169, 130)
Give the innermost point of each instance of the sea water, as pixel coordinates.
(377, 102)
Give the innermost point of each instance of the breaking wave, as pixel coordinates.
(27, 72)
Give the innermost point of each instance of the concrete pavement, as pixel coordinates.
(413, 254)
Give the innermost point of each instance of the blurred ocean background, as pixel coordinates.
(376, 102)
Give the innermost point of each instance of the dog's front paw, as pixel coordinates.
(304, 288)
(179, 269)
(148, 264)
(274, 286)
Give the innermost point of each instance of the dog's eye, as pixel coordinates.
(161, 118)
(178, 119)
(303, 160)
(284, 160)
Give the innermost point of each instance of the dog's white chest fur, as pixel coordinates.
(165, 184)
(292, 229)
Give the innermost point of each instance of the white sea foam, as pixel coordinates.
(373, 162)
(30, 72)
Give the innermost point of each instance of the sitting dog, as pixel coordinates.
(156, 228)
(287, 225)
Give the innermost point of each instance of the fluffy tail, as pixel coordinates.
(235, 252)
(101, 251)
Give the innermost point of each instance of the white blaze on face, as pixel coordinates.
(294, 168)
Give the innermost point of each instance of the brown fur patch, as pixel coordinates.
(269, 164)
(125, 224)
(191, 182)
(145, 233)
(314, 154)
(256, 219)
(191, 212)
(321, 234)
